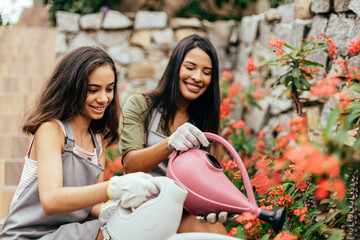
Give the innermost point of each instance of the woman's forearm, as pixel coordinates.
(69, 199)
(145, 160)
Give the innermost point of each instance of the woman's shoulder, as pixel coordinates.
(137, 101)
(51, 126)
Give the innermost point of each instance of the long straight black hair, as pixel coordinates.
(64, 95)
(204, 112)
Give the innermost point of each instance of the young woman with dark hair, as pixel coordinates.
(62, 184)
(174, 115)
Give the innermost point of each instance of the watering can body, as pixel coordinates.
(209, 189)
(156, 219)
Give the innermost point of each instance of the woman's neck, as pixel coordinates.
(80, 125)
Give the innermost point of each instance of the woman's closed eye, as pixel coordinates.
(208, 73)
(92, 90)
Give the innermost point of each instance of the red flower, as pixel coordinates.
(239, 124)
(225, 108)
(325, 87)
(354, 46)
(345, 99)
(228, 75)
(339, 187)
(322, 190)
(232, 233)
(234, 89)
(276, 43)
(285, 235)
(297, 120)
(250, 66)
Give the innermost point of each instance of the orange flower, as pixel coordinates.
(234, 89)
(285, 235)
(339, 188)
(354, 46)
(259, 93)
(250, 66)
(225, 108)
(345, 99)
(276, 43)
(232, 233)
(325, 87)
(228, 76)
(322, 190)
(297, 120)
(239, 124)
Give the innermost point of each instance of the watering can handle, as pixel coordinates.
(239, 162)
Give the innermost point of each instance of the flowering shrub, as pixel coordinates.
(313, 180)
(113, 164)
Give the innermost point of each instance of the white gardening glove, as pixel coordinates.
(222, 217)
(187, 136)
(106, 211)
(132, 189)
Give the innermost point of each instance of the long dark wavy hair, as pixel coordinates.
(204, 112)
(64, 94)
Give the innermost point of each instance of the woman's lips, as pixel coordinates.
(192, 88)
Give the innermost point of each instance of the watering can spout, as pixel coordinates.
(275, 218)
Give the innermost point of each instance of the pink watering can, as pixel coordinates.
(209, 190)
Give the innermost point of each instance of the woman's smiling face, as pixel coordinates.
(195, 74)
(100, 92)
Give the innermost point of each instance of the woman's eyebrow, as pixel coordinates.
(97, 85)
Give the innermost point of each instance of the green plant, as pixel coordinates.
(289, 169)
(78, 6)
(276, 3)
(299, 69)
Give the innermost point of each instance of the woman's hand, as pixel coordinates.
(187, 136)
(132, 189)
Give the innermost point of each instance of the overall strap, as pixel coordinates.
(155, 120)
(96, 143)
(69, 138)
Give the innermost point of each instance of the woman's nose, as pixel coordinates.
(197, 75)
(102, 98)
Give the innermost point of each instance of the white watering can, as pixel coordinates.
(156, 219)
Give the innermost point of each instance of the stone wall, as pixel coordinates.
(141, 42)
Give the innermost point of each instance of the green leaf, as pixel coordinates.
(337, 235)
(308, 191)
(325, 201)
(318, 49)
(288, 80)
(307, 62)
(307, 43)
(265, 237)
(297, 83)
(282, 78)
(354, 105)
(316, 227)
(273, 60)
(288, 91)
(330, 123)
(305, 82)
(240, 233)
(355, 87)
(331, 215)
(295, 73)
(288, 46)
